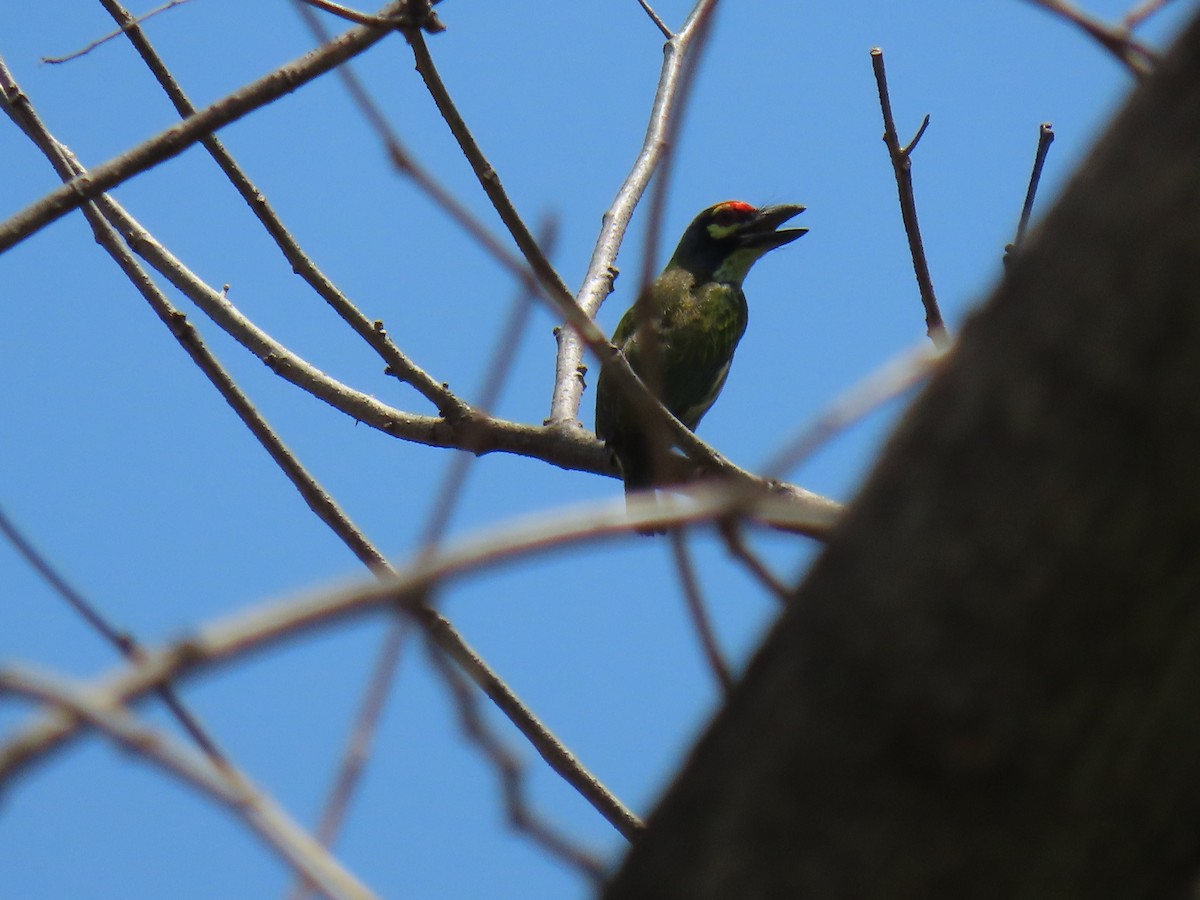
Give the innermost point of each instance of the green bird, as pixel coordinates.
(696, 312)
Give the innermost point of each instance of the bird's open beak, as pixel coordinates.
(761, 232)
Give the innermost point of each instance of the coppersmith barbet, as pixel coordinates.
(697, 312)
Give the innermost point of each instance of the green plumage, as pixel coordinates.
(697, 312)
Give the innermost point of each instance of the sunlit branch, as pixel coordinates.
(901, 158)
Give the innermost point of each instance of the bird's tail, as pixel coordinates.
(639, 485)
(644, 498)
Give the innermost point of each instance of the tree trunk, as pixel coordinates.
(989, 685)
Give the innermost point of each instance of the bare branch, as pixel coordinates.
(262, 627)
(438, 628)
(124, 642)
(655, 433)
(554, 288)
(357, 747)
(372, 332)
(902, 166)
(229, 788)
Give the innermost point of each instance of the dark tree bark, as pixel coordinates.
(989, 686)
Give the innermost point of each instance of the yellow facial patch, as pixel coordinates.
(728, 217)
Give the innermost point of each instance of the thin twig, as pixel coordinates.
(1141, 13)
(696, 610)
(358, 744)
(1133, 54)
(736, 544)
(177, 138)
(427, 19)
(231, 789)
(554, 287)
(511, 774)
(902, 166)
(124, 642)
(662, 26)
(56, 60)
(1045, 139)
(422, 178)
(894, 377)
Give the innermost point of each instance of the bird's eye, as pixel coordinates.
(730, 213)
(726, 218)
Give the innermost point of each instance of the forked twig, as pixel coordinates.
(1141, 13)
(371, 332)
(1132, 53)
(736, 544)
(901, 158)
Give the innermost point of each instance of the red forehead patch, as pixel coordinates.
(739, 206)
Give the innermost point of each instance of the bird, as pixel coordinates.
(680, 335)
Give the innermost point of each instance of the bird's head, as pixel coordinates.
(725, 240)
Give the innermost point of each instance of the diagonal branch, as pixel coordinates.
(440, 630)
(174, 140)
(566, 448)
(233, 790)
(370, 331)
(262, 627)
(125, 644)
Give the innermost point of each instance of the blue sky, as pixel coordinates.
(119, 460)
